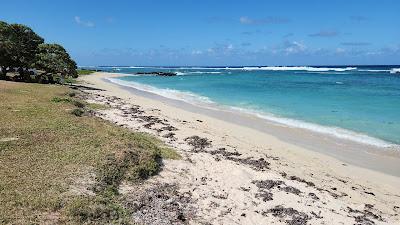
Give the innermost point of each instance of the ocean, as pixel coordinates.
(359, 103)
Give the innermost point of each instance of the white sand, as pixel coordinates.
(223, 188)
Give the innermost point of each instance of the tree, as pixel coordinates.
(54, 59)
(25, 45)
(22, 48)
(18, 46)
(5, 49)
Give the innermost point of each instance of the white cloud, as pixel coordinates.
(340, 50)
(293, 47)
(79, 21)
(197, 52)
(325, 33)
(267, 20)
(246, 20)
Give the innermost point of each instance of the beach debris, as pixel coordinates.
(309, 183)
(245, 189)
(290, 189)
(271, 157)
(292, 216)
(369, 193)
(267, 184)
(169, 128)
(169, 135)
(198, 143)
(265, 196)
(362, 220)
(161, 204)
(223, 152)
(265, 187)
(223, 195)
(151, 119)
(257, 164)
(364, 217)
(148, 125)
(313, 196)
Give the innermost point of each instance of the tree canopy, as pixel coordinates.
(53, 58)
(21, 49)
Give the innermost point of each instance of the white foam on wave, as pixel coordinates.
(273, 68)
(204, 72)
(374, 70)
(280, 68)
(331, 131)
(301, 68)
(196, 72)
(249, 68)
(202, 101)
(395, 70)
(168, 93)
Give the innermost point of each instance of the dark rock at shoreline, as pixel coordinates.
(165, 74)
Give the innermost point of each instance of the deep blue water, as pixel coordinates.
(364, 100)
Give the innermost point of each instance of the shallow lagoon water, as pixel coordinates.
(359, 103)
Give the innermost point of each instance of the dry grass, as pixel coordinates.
(44, 149)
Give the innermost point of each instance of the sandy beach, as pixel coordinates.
(241, 172)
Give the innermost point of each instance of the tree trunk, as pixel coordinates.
(3, 74)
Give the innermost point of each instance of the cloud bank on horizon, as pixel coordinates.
(217, 32)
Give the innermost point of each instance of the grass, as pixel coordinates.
(85, 72)
(95, 106)
(45, 149)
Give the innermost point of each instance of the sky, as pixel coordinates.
(216, 32)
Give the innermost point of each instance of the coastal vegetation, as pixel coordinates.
(25, 57)
(59, 164)
(85, 71)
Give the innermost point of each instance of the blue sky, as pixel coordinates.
(216, 32)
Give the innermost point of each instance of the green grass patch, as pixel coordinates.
(97, 210)
(60, 99)
(169, 153)
(45, 149)
(95, 106)
(85, 72)
(70, 80)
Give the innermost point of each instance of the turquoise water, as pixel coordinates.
(349, 102)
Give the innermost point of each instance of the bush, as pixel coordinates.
(79, 104)
(58, 99)
(109, 175)
(78, 112)
(71, 94)
(148, 165)
(97, 210)
(134, 165)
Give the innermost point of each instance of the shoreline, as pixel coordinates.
(381, 159)
(204, 102)
(303, 159)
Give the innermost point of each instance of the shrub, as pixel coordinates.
(79, 104)
(78, 112)
(71, 94)
(58, 99)
(97, 210)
